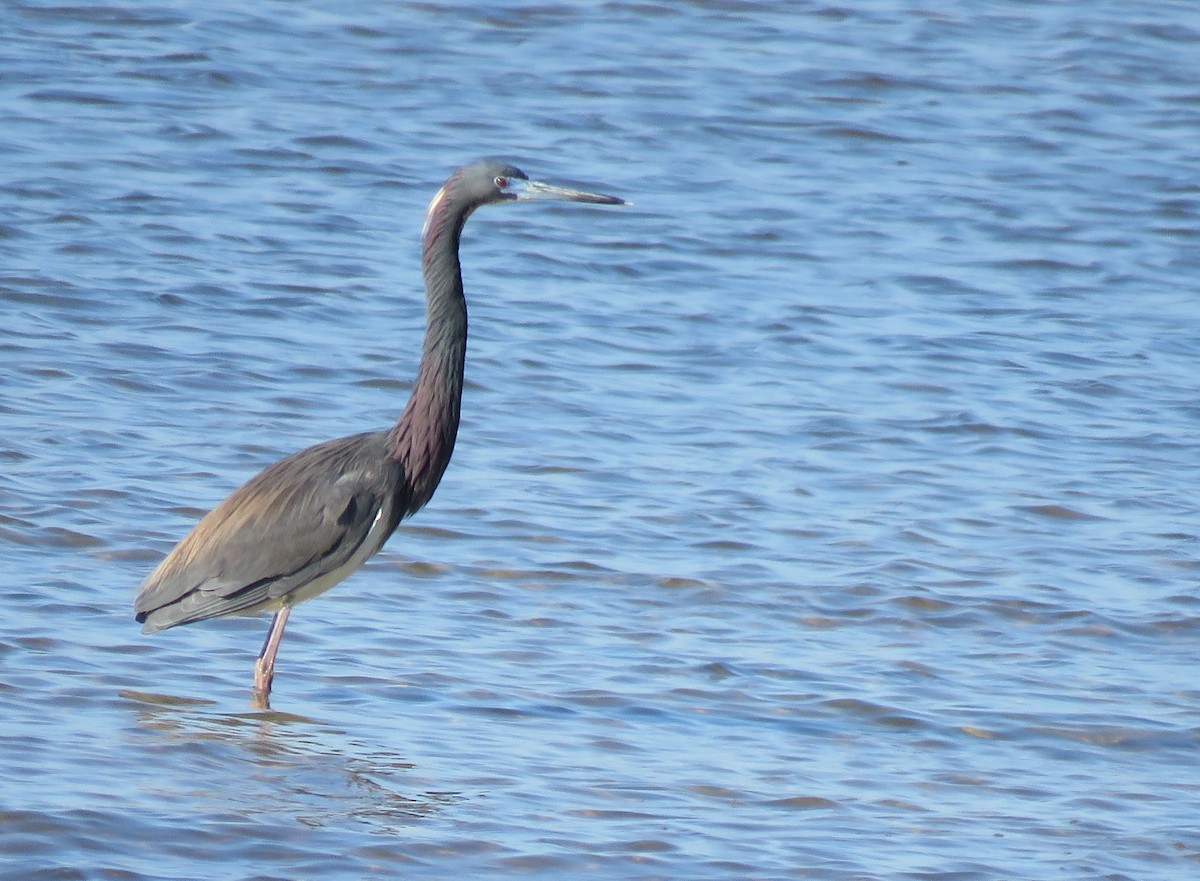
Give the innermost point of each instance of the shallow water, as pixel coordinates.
(830, 513)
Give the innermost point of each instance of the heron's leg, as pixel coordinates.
(264, 667)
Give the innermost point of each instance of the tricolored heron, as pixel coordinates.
(302, 525)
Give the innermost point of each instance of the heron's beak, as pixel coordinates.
(528, 190)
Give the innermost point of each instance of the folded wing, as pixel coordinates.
(303, 520)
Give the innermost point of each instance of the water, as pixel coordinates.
(828, 514)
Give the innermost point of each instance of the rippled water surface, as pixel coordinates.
(829, 513)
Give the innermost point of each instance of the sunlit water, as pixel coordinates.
(830, 513)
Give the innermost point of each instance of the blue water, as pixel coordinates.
(829, 513)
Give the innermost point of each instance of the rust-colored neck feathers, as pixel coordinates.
(423, 439)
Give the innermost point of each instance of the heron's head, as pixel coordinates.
(495, 181)
(491, 180)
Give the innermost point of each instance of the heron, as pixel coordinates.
(305, 523)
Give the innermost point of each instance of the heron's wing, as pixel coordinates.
(301, 519)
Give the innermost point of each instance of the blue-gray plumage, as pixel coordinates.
(303, 524)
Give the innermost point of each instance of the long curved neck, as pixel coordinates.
(422, 440)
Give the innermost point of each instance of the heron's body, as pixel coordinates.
(292, 532)
(307, 522)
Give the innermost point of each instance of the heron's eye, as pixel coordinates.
(501, 182)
